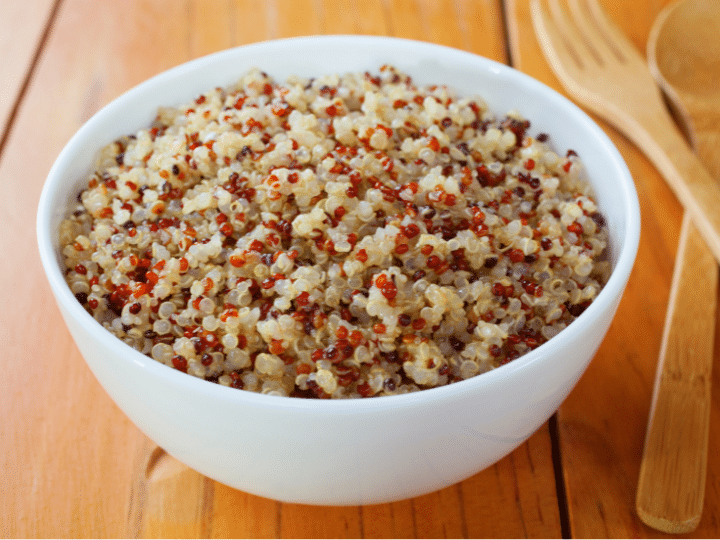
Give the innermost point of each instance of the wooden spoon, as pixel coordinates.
(684, 57)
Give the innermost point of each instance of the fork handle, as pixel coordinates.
(673, 470)
(697, 191)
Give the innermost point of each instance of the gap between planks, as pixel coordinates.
(47, 29)
(560, 490)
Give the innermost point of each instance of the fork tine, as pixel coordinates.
(590, 75)
(593, 31)
(558, 50)
(613, 36)
(565, 23)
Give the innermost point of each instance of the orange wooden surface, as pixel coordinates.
(23, 28)
(73, 465)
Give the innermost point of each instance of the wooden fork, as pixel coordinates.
(601, 69)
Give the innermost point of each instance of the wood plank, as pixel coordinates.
(338, 17)
(472, 25)
(441, 24)
(393, 520)
(246, 29)
(525, 483)
(353, 17)
(241, 515)
(482, 28)
(371, 17)
(218, 15)
(291, 18)
(56, 450)
(171, 500)
(303, 521)
(22, 29)
(602, 423)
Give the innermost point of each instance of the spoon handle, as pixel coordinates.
(695, 188)
(671, 489)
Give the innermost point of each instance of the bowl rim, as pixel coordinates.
(623, 261)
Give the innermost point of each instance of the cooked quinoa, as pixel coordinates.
(339, 237)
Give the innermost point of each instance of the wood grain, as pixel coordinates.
(23, 26)
(514, 498)
(673, 470)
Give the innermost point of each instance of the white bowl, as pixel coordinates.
(348, 451)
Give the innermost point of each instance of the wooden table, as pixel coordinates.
(74, 466)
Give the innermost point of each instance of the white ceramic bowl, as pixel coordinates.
(348, 451)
